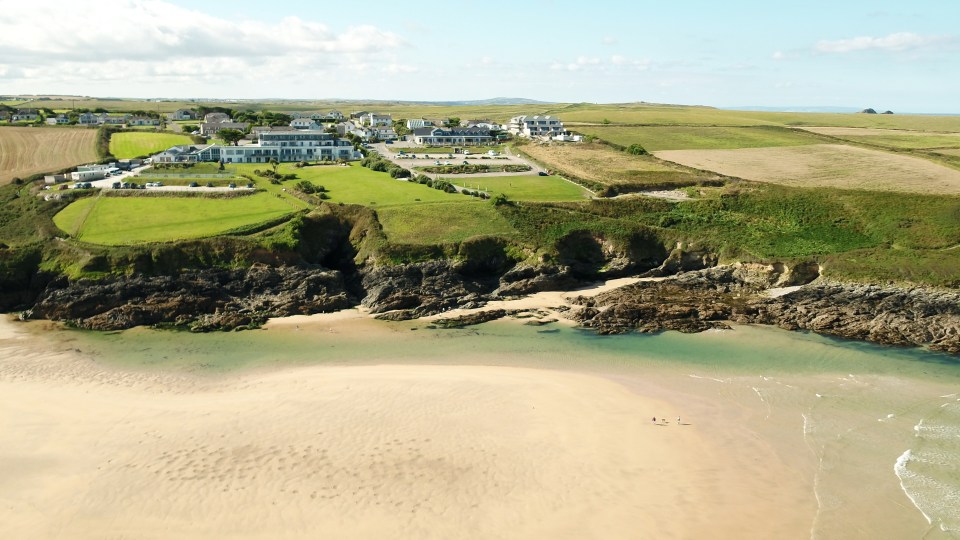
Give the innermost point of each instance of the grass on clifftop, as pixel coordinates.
(117, 221)
(777, 223)
(442, 223)
(127, 145)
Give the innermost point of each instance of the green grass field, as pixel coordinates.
(525, 188)
(655, 138)
(443, 223)
(117, 221)
(354, 184)
(907, 141)
(133, 144)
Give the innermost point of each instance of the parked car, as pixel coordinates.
(193, 184)
(231, 185)
(466, 152)
(541, 173)
(116, 185)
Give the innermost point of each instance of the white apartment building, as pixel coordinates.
(417, 123)
(535, 126)
(284, 146)
(376, 120)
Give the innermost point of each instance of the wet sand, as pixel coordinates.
(93, 450)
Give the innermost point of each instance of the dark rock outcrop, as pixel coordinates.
(201, 300)
(696, 301)
(423, 289)
(868, 111)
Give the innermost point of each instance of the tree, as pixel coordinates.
(274, 163)
(230, 136)
(453, 121)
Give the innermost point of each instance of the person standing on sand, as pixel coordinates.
(654, 419)
(678, 420)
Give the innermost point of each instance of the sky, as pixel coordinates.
(901, 56)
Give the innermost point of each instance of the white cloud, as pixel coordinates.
(900, 41)
(610, 40)
(486, 60)
(156, 40)
(399, 68)
(778, 55)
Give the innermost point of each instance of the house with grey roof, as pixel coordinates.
(442, 136)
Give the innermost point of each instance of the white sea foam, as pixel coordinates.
(938, 432)
(707, 378)
(937, 500)
(900, 469)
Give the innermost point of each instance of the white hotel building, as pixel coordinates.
(535, 126)
(284, 146)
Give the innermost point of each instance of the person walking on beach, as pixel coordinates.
(654, 419)
(678, 420)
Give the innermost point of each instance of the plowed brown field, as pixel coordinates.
(825, 165)
(31, 150)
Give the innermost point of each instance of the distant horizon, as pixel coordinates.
(758, 108)
(881, 54)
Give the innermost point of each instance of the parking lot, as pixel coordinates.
(424, 158)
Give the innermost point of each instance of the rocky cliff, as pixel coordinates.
(697, 301)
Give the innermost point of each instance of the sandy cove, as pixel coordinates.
(374, 452)
(544, 304)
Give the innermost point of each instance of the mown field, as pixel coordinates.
(825, 165)
(525, 188)
(893, 138)
(116, 221)
(602, 167)
(443, 222)
(353, 184)
(31, 150)
(133, 144)
(654, 138)
(678, 115)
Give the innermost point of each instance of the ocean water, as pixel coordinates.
(874, 430)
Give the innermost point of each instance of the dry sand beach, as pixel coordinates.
(410, 450)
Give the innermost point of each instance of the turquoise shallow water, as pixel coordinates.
(748, 349)
(864, 413)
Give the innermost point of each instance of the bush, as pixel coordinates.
(306, 187)
(636, 150)
(500, 199)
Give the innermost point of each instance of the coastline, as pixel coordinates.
(242, 453)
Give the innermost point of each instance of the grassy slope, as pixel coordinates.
(130, 144)
(442, 223)
(766, 222)
(599, 165)
(135, 220)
